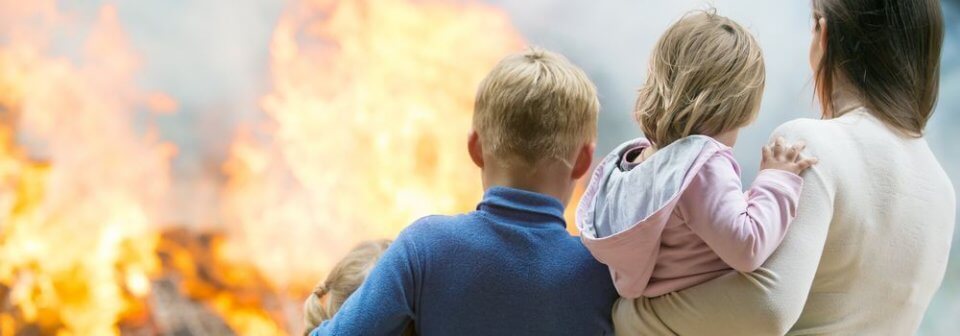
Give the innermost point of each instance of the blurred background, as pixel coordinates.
(195, 167)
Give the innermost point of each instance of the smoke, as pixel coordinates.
(212, 56)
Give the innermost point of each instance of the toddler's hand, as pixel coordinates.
(778, 155)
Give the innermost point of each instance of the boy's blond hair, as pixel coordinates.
(345, 278)
(535, 105)
(706, 77)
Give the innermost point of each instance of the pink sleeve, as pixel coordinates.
(742, 228)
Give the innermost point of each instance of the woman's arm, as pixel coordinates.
(766, 302)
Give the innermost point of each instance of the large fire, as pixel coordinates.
(78, 198)
(364, 132)
(369, 115)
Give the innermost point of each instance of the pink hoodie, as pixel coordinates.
(680, 218)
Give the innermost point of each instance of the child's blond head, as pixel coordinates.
(535, 105)
(345, 278)
(706, 77)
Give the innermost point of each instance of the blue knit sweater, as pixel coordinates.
(509, 268)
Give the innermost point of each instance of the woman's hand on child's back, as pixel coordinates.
(779, 155)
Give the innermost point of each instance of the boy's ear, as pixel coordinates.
(584, 159)
(475, 148)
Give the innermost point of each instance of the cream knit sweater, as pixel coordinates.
(864, 256)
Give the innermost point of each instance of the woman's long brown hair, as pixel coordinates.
(889, 51)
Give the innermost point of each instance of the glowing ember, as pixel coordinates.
(244, 300)
(369, 114)
(76, 231)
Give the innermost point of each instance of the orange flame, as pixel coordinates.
(365, 132)
(76, 228)
(369, 114)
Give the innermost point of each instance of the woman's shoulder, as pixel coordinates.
(826, 140)
(800, 128)
(832, 134)
(859, 122)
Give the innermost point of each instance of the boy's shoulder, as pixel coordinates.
(434, 227)
(467, 228)
(432, 223)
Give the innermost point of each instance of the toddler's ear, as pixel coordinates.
(475, 148)
(584, 159)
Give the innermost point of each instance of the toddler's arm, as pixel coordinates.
(766, 302)
(743, 229)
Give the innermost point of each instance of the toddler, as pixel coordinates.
(667, 212)
(345, 278)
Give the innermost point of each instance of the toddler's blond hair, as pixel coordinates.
(535, 105)
(706, 77)
(342, 281)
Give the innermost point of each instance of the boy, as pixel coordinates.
(510, 267)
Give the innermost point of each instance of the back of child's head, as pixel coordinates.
(706, 77)
(342, 281)
(533, 106)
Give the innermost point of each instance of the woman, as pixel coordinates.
(869, 246)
